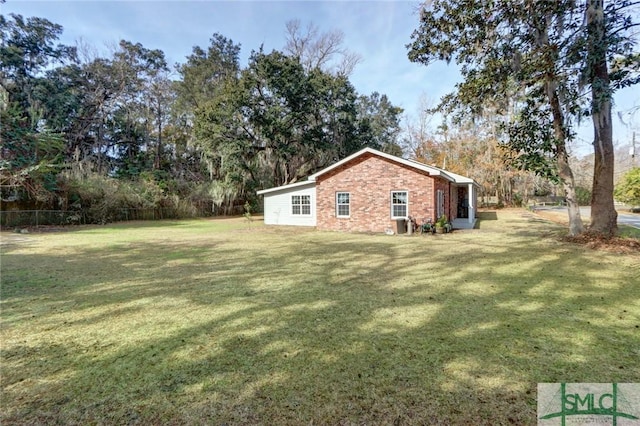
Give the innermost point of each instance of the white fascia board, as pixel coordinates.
(462, 180)
(285, 187)
(432, 170)
(452, 177)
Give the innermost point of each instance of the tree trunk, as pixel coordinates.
(560, 134)
(157, 161)
(564, 171)
(604, 217)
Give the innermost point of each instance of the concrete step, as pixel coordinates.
(463, 223)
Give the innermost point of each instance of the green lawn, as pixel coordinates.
(222, 322)
(628, 231)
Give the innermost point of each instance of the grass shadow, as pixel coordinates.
(487, 215)
(291, 327)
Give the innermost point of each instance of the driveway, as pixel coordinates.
(624, 218)
(631, 219)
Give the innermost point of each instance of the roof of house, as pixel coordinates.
(431, 170)
(291, 185)
(434, 171)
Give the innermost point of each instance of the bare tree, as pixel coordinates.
(317, 49)
(418, 130)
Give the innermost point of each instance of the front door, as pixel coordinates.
(463, 203)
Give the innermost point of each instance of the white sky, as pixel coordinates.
(377, 30)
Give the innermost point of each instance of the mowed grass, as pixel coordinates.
(226, 322)
(627, 231)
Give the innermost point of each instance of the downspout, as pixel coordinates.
(471, 204)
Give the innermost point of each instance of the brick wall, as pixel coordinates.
(370, 179)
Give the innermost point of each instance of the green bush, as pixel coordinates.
(102, 199)
(583, 196)
(517, 200)
(628, 189)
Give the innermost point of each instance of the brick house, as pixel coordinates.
(368, 191)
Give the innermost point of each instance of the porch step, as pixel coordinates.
(463, 224)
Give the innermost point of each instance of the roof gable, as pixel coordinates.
(433, 171)
(416, 165)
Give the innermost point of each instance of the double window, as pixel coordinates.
(399, 204)
(343, 204)
(301, 205)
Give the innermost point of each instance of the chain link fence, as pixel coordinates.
(25, 218)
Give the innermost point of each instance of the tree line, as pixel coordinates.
(94, 132)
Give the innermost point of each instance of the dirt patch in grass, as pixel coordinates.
(598, 242)
(592, 240)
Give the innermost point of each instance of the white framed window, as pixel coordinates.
(399, 204)
(301, 205)
(343, 204)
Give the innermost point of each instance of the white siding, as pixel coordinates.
(277, 206)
